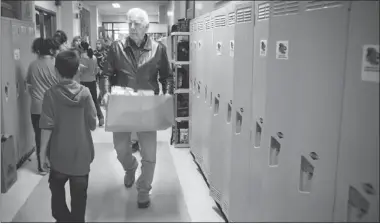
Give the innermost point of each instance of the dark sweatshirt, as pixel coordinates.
(69, 111)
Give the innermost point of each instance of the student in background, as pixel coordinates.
(101, 55)
(41, 77)
(61, 38)
(88, 75)
(67, 119)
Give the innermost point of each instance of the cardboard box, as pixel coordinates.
(8, 163)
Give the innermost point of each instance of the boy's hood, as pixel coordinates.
(70, 93)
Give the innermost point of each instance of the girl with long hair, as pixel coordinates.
(88, 75)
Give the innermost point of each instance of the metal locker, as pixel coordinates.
(357, 185)
(8, 88)
(224, 19)
(191, 80)
(238, 189)
(257, 155)
(307, 65)
(22, 37)
(196, 120)
(207, 70)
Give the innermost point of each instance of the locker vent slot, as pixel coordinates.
(248, 15)
(244, 15)
(220, 21)
(200, 26)
(283, 8)
(215, 194)
(225, 207)
(231, 19)
(263, 11)
(208, 25)
(212, 23)
(195, 27)
(240, 16)
(315, 5)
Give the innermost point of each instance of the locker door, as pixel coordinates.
(279, 111)
(257, 154)
(8, 88)
(191, 83)
(241, 115)
(22, 40)
(196, 147)
(357, 189)
(208, 92)
(306, 172)
(221, 126)
(320, 87)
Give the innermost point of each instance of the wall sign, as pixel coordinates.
(282, 49)
(263, 48)
(370, 63)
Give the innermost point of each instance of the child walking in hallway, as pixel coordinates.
(67, 119)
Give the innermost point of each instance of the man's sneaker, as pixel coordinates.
(129, 178)
(143, 201)
(101, 122)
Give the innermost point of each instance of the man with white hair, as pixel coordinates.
(138, 62)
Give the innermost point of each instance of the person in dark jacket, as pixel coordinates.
(138, 62)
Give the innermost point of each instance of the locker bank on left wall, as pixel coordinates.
(17, 135)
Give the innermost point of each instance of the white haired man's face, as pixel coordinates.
(137, 26)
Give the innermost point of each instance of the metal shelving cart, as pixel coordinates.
(180, 65)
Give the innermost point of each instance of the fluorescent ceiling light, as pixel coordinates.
(116, 5)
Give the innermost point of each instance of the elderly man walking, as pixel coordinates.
(138, 62)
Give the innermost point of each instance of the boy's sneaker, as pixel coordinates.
(135, 146)
(42, 172)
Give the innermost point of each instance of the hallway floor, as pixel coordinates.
(179, 192)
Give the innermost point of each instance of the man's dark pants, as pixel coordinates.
(92, 87)
(78, 192)
(37, 136)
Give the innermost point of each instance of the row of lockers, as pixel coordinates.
(284, 109)
(16, 41)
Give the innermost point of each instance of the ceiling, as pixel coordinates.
(105, 7)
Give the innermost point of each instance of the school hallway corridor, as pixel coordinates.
(179, 192)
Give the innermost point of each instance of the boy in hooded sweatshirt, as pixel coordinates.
(67, 119)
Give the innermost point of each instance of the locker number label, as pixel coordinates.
(219, 46)
(370, 63)
(263, 48)
(16, 54)
(282, 50)
(232, 48)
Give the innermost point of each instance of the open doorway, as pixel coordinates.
(46, 24)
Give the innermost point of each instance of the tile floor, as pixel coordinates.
(200, 207)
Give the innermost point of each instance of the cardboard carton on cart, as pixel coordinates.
(8, 163)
